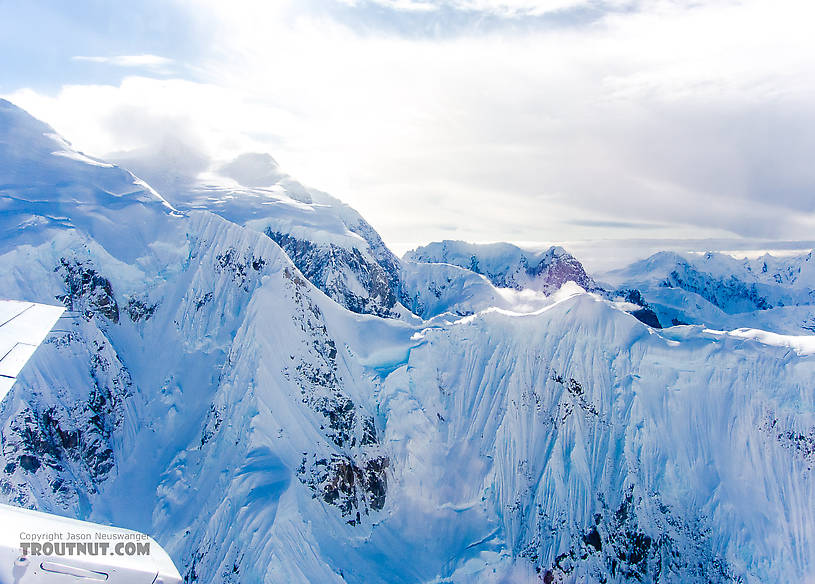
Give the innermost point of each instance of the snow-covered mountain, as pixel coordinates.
(237, 377)
(507, 265)
(716, 289)
(329, 242)
(336, 249)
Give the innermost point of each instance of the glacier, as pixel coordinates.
(247, 373)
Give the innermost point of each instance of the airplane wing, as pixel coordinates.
(23, 326)
(27, 552)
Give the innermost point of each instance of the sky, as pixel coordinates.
(529, 121)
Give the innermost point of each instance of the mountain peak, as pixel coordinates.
(508, 266)
(45, 183)
(38, 165)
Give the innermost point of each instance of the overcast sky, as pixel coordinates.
(483, 120)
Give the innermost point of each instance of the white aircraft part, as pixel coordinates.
(23, 326)
(21, 527)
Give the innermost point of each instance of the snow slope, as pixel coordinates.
(212, 386)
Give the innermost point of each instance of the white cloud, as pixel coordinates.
(527, 7)
(696, 116)
(128, 60)
(404, 5)
(502, 8)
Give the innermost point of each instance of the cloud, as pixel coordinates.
(698, 118)
(128, 60)
(400, 5)
(253, 169)
(501, 8)
(515, 8)
(616, 224)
